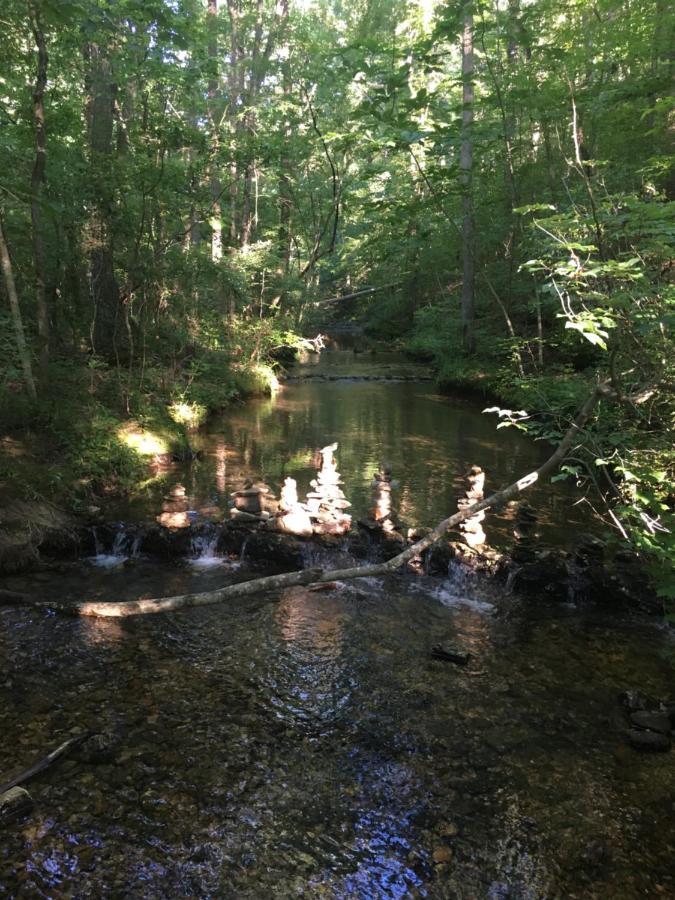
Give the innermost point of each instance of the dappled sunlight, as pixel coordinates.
(144, 442)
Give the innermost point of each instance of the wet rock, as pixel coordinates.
(438, 557)
(651, 721)
(448, 830)
(450, 653)
(99, 748)
(276, 549)
(442, 855)
(165, 543)
(632, 699)
(648, 741)
(15, 802)
(547, 576)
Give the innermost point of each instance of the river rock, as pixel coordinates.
(651, 721)
(15, 802)
(632, 699)
(649, 741)
(450, 653)
(99, 748)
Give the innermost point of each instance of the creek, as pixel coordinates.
(306, 743)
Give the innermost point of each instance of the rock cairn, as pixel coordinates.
(175, 508)
(292, 517)
(248, 503)
(326, 503)
(382, 514)
(472, 528)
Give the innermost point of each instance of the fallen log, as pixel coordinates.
(318, 576)
(45, 762)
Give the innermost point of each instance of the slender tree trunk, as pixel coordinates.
(107, 326)
(233, 102)
(24, 356)
(214, 180)
(37, 180)
(466, 178)
(285, 199)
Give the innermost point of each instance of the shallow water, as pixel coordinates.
(306, 744)
(430, 440)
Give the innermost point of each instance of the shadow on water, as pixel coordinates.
(307, 744)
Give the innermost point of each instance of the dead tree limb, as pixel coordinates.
(309, 576)
(45, 762)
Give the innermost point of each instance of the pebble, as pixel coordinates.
(442, 855)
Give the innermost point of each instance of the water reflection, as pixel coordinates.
(429, 440)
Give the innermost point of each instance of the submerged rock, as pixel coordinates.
(450, 653)
(649, 741)
(15, 802)
(651, 721)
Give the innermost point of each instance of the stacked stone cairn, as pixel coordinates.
(175, 508)
(248, 503)
(525, 533)
(382, 514)
(292, 516)
(326, 502)
(472, 528)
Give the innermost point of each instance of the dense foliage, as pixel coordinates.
(182, 183)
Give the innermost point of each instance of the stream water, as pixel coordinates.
(306, 744)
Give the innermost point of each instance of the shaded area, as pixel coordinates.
(310, 743)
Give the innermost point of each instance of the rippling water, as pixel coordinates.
(306, 744)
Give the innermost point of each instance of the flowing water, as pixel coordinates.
(306, 744)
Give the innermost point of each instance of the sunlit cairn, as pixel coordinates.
(382, 514)
(248, 504)
(292, 516)
(175, 508)
(326, 503)
(472, 528)
(525, 533)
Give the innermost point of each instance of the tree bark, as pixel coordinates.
(37, 180)
(466, 179)
(107, 321)
(317, 576)
(214, 180)
(22, 349)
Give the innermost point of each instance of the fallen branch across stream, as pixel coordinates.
(318, 576)
(45, 762)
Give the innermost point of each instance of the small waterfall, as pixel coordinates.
(125, 545)
(462, 587)
(204, 548)
(243, 549)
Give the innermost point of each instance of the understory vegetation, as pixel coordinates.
(188, 188)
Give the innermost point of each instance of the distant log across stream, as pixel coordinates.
(318, 576)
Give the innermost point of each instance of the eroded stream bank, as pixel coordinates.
(309, 744)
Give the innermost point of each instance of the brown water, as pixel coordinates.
(430, 440)
(306, 744)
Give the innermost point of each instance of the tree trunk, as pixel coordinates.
(214, 180)
(24, 356)
(37, 180)
(466, 177)
(108, 321)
